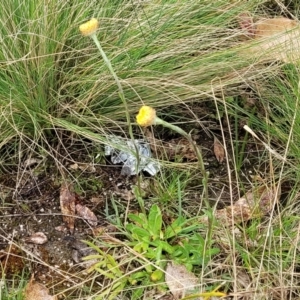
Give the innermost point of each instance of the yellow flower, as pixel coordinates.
(89, 27)
(146, 116)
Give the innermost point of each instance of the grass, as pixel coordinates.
(71, 89)
(13, 289)
(184, 59)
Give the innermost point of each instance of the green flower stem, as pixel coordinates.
(121, 95)
(202, 169)
(159, 121)
(108, 63)
(113, 73)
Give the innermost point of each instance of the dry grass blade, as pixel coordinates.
(273, 152)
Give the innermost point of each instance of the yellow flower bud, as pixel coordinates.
(89, 27)
(146, 116)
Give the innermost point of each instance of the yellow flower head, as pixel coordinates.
(146, 116)
(89, 27)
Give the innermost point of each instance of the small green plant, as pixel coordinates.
(149, 244)
(178, 241)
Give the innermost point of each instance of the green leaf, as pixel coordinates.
(158, 251)
(106, 273)
(175, 228)
(137, 276)
(93, 256)
(166, 247)
(155, 221)
(141, 247)
(153, 253)
(138, 219)
(157, 275)
(140, 234)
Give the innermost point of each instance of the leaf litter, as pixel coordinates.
(70, 207)
(67, 205)
(219, 150)
(37, 291)
(38, 238)
(85, 213)
(179, 280)
(183, 284)
(256, 203)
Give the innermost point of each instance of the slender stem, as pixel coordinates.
(122, 97)
(202, 169)
(117, 80)
(108, 63)
(197, 151)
